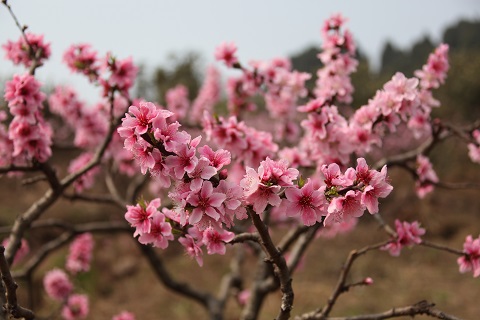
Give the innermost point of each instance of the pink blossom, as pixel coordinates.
(215, 240)
(474, 148)
(243, 297)
(83, 59)
(426, 176)
(435, 71)
(183, 162)
(143, 115)
(401, 87)
(160, 232)
(57, 285)
(140, 215)
(408, 234)
(192, 248)
(124, 315)
(307, 202)
(470, 261)
(24, 90)
(205, 202)
(203, 171)
(345, 207)
(226, 52)
(19, 52)
(123, 73)
(218, 159)
(77, 307)
(80, 254)
(232, 205)
(260, 193)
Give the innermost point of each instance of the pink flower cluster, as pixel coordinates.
(29, 134)
(76, 307)
(23, 51)
(149, 223)
(408, 234)
(89, 125)
(80, 254)
(57, 284)
(435, 71)
(262, 187)
(470, 261)
(281, 88)
(83, 59)
(245, 143)
(212, 237)
(349, 194)
(426, 176)
(333, 80)
(110, 72)
(474, 148)
(226, 52)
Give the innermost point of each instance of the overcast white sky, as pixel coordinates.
(149, 30)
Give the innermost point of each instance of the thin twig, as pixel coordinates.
(340, 287)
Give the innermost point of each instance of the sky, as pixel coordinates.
(151, 30)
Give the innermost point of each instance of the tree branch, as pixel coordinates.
(12, 305)
(420, 308)
(280, 266)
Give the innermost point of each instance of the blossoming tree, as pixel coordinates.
(229, 187)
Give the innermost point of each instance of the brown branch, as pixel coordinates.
(182, 288)
(441, 247)
(301, 246)
(12, 305)
(340, 287)
(420, 308)
(24, 221)
(232, 280)
(99, 198)
(246, 236)
(280, 266)
(71, 232)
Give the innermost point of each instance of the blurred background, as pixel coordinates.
(174, 41)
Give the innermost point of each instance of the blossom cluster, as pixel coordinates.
(474, 147)
(110, 72)
(27, 49)
(29, 135)
(58, 285)
(408, 234)
(333, 80)
(470, 261)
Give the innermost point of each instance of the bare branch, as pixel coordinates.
(440, 247)
(107, 199)
(182, 288)
(280, 266)
(12, 305)
(340, 287)
(420, 308)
